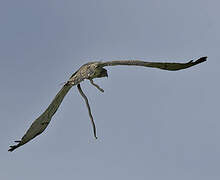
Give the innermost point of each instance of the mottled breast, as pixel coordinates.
(86, 71)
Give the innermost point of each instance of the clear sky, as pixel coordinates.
(151, 124)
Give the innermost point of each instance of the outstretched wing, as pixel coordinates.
(40, 124)
(160, 65)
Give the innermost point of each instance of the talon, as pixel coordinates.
(96, 85)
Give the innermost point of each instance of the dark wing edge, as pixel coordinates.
(40, 124)
(161, 65)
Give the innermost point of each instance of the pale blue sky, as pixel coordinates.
(151, 124)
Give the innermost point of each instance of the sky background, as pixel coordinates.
(151, 124)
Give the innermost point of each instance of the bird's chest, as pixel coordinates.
(85, 72)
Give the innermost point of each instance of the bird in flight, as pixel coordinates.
(90, 71)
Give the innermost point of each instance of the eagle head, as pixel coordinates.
(101, 72)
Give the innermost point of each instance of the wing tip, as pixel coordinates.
(200, 60)
(12, 148)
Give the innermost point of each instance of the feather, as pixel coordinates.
(41, 123)
(160, 65)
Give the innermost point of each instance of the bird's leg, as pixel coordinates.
(89, 109)
(96, 85)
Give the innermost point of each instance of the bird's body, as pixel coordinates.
(89, 71)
